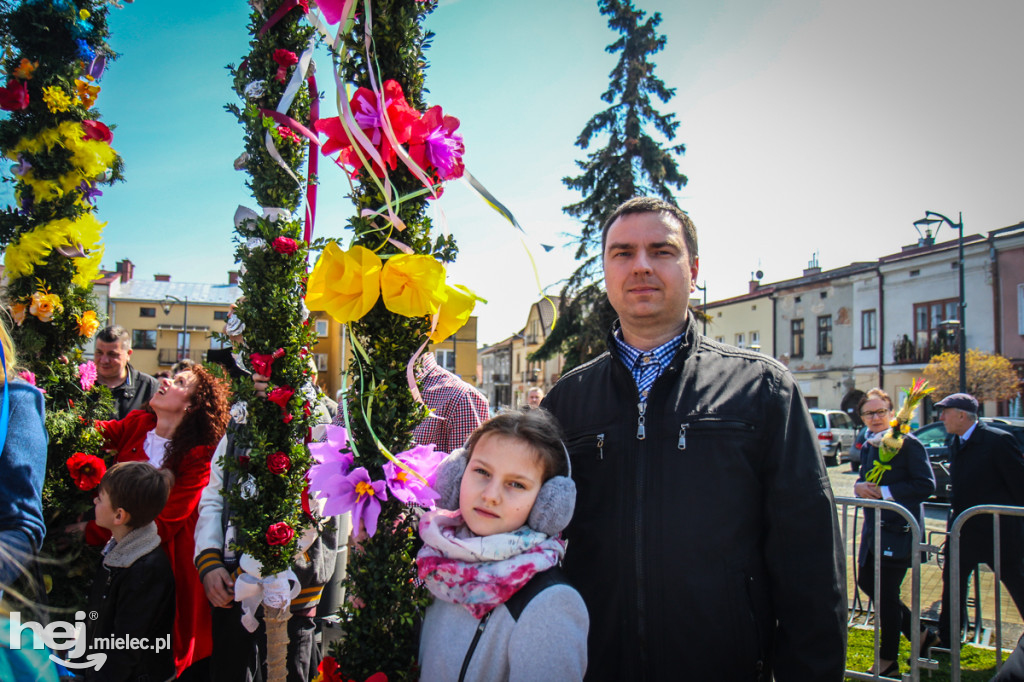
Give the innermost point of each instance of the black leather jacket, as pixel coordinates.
(709, 549)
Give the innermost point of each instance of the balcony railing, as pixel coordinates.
(906, 352)
(168, 356)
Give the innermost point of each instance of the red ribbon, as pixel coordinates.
(277, 16)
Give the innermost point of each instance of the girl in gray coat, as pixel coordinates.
(490, 558)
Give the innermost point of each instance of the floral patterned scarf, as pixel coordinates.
(479, 572)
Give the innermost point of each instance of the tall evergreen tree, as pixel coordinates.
(631, 163)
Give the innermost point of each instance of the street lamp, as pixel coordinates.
(183, 353)
(930, 218)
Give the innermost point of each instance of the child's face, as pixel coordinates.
(105, 512)
(500, 485)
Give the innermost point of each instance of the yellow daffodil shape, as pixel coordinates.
(25, 69)
(87, 323)
(454, 312)
(44, 305)
(32, 248)
(87, 92)
(413, 285)
(57, 101)
(18, 311)
(344, 284)
(89, 159)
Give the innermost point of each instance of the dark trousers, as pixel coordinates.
(893, 615)
(241, 656)
(1012, 574)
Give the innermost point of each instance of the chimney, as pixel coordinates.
(754, 284)
(233, 276)
(126, 268)
(813, 268)
(162, 278)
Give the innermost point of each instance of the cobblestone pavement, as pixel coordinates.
(931, 574)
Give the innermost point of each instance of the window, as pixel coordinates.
(928, 319)
(825, 335)
(812, 402)
(1020, 309)
(868, 329)
(755, 340)
(147, 312)
(143, 339)
(321, 361)
(184, 341)
(321, 328)
(796, 335)
(220, 315)
(446, 358)
(740, 341)
(720, 339)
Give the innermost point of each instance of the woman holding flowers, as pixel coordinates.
(894, 466)
(178, 431)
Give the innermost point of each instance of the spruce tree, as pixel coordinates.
(631, 163)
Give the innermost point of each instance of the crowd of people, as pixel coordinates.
(664, 512)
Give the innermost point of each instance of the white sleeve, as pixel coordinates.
(209, 529)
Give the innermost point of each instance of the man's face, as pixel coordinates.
(112, 360)
(957, 421)
(647, 270)
(534, 398)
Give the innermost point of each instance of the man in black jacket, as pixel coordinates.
(705, 540)
(131, 388)
(986, 467)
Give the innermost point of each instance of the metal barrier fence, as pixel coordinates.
(845, 504)
(954, 578)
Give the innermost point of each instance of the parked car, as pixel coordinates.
(853, 455)
(836, 432)
(936, 442)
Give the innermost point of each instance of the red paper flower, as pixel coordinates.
(287, 133)
(279, 534)
(280, 396)
(243, 461)
(86, 470)
(94, 130)
(287, 417)
(278, 463)
(367, 110)
(285, 245)
(15, 96)
(284, 59)
(262, 363)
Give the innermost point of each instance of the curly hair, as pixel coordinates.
(205, 420)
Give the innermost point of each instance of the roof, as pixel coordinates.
(210, 294)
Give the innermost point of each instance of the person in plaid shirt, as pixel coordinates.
(456, 407)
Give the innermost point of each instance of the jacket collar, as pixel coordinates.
(137, 544)
(686, 345)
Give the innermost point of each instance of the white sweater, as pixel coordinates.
(548, 642)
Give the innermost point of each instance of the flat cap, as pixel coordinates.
(960, 401)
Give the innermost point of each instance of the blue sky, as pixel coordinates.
(811, 126)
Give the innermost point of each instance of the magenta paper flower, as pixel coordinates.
(333, 460)
(408, 489)
(358, 494)
(27, 376)
(87, 375)
(434, 142)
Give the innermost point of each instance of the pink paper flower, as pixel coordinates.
(27, 376)
(284, 59)
(409, 489)
(333, 460)
(87, 375)
(355, 492)
(279, 534)
(435, 143)
(285, 245)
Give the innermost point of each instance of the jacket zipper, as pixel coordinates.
(600, 446)
(472, 645)
(710, 425)
(641, 432)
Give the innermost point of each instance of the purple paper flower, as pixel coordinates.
(89, 191)
(23, 166)
(409, 489)
(358, 494)
(96, 66)
(87, 375)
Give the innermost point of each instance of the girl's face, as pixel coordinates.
(174, 395)
(500, 485)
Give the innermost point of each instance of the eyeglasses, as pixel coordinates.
(875, 414)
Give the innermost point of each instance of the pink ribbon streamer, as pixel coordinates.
(277, 16)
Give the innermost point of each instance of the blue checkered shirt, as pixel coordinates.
(646, 365)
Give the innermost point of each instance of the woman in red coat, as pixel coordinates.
(179, 430)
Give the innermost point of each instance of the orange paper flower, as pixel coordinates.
(412, 285)
(18, 311)
(87, 323)
(344, 284)
(25, 69)
(44, 305)
(454, 312)
(87, 92)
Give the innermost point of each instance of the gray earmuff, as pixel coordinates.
(551, 513)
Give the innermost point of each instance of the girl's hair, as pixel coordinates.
(10, 370)
(874, 394)
(535, 427)
(205, 420)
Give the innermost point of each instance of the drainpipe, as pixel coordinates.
(881, 330)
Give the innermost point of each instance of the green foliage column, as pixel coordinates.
(54, 56)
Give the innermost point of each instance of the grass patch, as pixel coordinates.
(976, 665)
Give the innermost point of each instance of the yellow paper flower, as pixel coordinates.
(87, 92)
(32, 248)
(412, 285)
(57, 101)
(18, 311)
(83, 14)
(25, 69)
(454, 312)
(87, 323)
(344, 284)
(44, 305)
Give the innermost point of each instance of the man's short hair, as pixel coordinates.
(115, 333)
(655, 205)
(139, 488)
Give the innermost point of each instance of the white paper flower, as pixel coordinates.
(255, 244)
(240, 412)
(256, 89)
